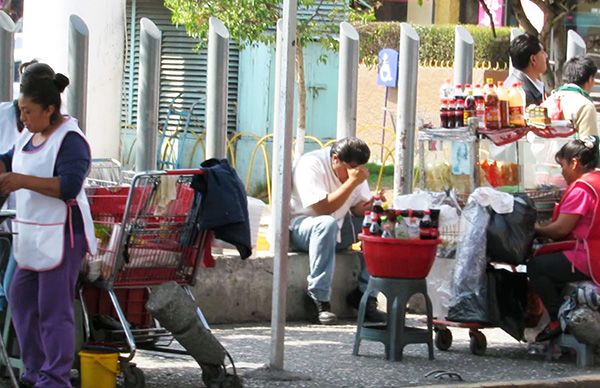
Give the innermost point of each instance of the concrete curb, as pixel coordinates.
(588, 381)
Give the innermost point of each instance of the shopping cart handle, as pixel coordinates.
(189, 171)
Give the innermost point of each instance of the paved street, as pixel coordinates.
(321, 356)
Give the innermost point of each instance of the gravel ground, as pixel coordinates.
(321, 356)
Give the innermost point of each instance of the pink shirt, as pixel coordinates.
(581, 200)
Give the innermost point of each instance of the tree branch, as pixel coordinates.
(522, 18)
(489, 13)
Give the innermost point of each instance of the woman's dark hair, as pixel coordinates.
(578, 70)
(42, 86)
(584, 150)
(351, 150)
(522, 48)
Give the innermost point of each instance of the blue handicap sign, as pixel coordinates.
(387, 69)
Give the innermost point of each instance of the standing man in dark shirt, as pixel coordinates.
(529, 63)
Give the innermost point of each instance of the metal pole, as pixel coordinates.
(514, 32)
(282, 172)
(79, 37)
(216, 89)
(464, 51)
(148, 93)
(7, 51)
(575, 45)
(408, 67)
(347, 81)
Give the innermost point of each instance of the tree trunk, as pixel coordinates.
(301, 128)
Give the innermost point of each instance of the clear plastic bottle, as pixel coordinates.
(387, 228)
(412, 227)
(446, 90)
(400, 229)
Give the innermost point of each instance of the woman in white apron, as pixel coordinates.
(46, 170)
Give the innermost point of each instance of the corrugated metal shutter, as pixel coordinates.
(183, 70)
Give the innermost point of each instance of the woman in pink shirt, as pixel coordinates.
(574, 219)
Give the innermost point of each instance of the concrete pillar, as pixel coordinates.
(148, 94)
(464, 53)
(282, 175)
(347, 81)
(79, 37)
(575, 45)
(408, 68)
(7, 51)
(216, 89)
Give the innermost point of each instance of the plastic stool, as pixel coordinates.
(585, 352)
(395, 335)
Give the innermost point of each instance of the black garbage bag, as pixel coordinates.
(510, 235)
(507, 298)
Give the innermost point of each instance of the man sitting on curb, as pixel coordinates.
(330, 194)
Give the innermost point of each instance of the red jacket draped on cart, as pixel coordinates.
(591, 242)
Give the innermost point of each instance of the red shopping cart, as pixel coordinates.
(144, 239)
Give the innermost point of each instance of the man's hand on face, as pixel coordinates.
(358, 174)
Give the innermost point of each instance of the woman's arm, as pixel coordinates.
(11, 181)
(72, 164)
(560, 228)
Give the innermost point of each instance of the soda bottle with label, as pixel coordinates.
(479, 104)
(515, 106)
(470, 107)
(377, 205)
(492, 109)
(375, 229)
(426, 227)
(366, 224)
(444, 113)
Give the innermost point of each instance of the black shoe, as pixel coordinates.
(551, 330)
(372, 314)
(323, 313)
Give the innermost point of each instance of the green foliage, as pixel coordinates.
(374, 168)
(253, 21)
(436, 42)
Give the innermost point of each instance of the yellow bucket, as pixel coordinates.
(99, 369)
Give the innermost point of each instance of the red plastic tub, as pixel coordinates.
(398, 258)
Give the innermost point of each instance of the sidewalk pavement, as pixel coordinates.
(321, 356)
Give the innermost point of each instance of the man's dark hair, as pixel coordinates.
(522, 48)
(351, 150)
(578, 70)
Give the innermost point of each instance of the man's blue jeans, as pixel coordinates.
(317, 236)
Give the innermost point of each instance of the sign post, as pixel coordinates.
(387, 75)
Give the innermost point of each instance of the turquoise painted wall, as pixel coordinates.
(255, 111)
(256, 98)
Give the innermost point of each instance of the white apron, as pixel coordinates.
(41, 220)
(8, 136)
